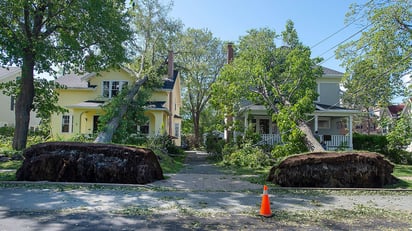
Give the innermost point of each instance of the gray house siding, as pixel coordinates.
(329, 93)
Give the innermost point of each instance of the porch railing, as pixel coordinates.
(336, 141)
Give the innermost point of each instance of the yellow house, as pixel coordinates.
(85, 94)
(7, 103)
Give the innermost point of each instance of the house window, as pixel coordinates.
(343, 124)
(66, 123)
(324, 123)
(112, 88)
(177, 129)
(144, 129)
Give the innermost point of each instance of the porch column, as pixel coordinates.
(316, 123)
(350, 133)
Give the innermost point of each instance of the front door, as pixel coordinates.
(95, 123)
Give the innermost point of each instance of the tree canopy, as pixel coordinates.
(282, 78)
(77, 35)
(153, 35)
(383, 53)
(201, 56)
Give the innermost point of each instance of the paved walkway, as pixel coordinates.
(199, 175)
(200, 197)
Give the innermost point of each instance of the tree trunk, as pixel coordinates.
(196, 127)
(24, 102)
(310, 140)
(106, 135)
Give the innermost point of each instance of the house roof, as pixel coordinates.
(320, 109)
(73, 80)
(169, 83)
(6, 72)
(324, 109)
(395, 110)
(328, 71)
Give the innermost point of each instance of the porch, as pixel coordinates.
(332, 142)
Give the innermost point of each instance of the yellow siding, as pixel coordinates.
(7, 117)
(82, 123)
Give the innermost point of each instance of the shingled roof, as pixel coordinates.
(170, 82)
(328, 71)
(73, 80)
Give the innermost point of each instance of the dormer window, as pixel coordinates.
(112, 88)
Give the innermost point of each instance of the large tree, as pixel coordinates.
(201, 56)
(153, 36)
(281, 78)
(382, 55)
(75, 34)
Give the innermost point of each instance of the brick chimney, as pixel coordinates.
(170, 65)
(229, 53)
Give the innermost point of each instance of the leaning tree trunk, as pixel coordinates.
(310, 140)
(24, 103)
(106, 135)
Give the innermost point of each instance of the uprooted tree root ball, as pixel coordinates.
(333, 170)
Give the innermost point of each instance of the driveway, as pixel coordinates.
(200, 197)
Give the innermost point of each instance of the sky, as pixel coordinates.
(314, 20)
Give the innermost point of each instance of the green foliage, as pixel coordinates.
(163, 143)
(248, 156)
(170, 163)
(392, 145)
(382, 54)
(372, 143)
(283, 78)
(202, 58)
(398, 139)
(75, 35)
(126, 132)
(214, 145)
(12, 164)
(45, 100)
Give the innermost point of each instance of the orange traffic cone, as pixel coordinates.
(265, 206)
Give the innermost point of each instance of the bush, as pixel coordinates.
(372, 143)
(214, 145)
(163, 143)
(386, 145)
(248, 156)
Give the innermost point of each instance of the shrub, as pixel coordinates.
(163, 143)
(372, 143)
(214, 145)
(248, 156)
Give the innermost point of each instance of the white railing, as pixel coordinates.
(336, 141)
(332, 144)
(271, 139)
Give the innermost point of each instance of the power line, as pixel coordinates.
(341, 29)
(353, 35)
